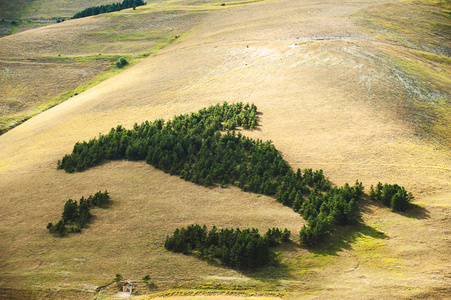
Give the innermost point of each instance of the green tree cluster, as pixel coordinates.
(391, 195)
(185, 142)
(76, 216)
(204, 148)
(241, 249)
(276, 236)
(336, 206)
(193, 147)
(102, 9)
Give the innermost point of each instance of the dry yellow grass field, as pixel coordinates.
(26, 9)
(333, 94)
(44, 66)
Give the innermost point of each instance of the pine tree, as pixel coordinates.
(70, 212)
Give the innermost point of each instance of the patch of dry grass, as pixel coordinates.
(142, 199)
(27, 86)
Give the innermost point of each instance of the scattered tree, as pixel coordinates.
(391, 195)
(146, 279)
(118, 278)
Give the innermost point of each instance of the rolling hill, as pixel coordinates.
(360, 89)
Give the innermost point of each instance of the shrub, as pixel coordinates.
(121, 63)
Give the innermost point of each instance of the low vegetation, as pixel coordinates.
(77, 215)
(102, 9)
(241, 249)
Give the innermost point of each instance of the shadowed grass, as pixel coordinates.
(345, 238)
(423, 30)
(416, 211)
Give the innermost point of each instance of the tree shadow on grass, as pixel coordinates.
(415, 212)
(276, 269)
(342, 238)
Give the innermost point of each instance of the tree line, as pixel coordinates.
(204, 148)
(102, 9)
(187, 139)
(241, 249)
(76, 216)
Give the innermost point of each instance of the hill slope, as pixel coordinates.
(329, 99)
(45, 66)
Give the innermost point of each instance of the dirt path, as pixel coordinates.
(123, 295)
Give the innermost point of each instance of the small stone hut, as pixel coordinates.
(127, 287)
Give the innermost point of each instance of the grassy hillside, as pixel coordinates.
(43, 67)
(41, 9)
(416, 37)
(14, 10)
(333, 94)
(22, 15)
